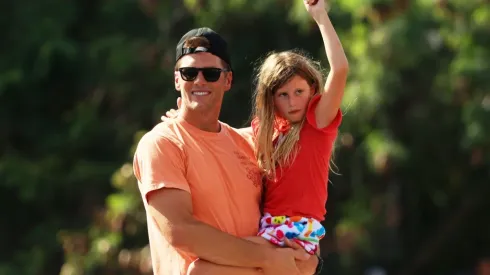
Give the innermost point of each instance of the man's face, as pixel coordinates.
(198, 93)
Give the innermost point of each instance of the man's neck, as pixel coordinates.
(205, 122)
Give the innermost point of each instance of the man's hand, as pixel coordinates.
(172, 113)
(307, 267)
(283, 261)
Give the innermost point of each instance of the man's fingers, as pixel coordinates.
(299, 252)
(172, 113)
(301, 255)
(292, 244)
(169, 114)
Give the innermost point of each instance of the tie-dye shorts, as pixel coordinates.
(307, 232)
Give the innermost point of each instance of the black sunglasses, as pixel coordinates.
(210, 74)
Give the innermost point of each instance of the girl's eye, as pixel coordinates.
(299, 92)
(283, 94)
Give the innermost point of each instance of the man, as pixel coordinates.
(198, 176)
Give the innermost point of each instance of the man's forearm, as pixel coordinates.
(218, 247)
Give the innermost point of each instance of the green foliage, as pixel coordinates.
(81, 81)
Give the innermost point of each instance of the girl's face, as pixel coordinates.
(291, 100)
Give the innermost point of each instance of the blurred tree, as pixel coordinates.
(81, 81)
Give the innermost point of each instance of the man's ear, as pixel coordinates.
(228, 80)
(176, 78)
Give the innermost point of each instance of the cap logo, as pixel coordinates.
(201, 49)
(194, 50)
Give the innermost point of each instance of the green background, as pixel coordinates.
(81, 81)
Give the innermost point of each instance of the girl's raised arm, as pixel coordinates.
(331, 99)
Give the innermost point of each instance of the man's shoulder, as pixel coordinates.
(163, 134)
(243, 135)
(246, 132)
(166, 129)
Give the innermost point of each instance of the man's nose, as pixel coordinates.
(199, 78)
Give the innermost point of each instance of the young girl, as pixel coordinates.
(296, 120)
(295, 125)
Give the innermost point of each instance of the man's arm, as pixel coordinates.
(172, 209)
(160, 167)
(201, 267)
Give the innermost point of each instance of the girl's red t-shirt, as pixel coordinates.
(300, 189)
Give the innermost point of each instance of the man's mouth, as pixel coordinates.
(200, 93)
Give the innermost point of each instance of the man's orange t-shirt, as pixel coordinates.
(219, 171)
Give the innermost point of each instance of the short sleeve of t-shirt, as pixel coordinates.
(159, 163)
(311, 117)
(254, 127)
(246, 133)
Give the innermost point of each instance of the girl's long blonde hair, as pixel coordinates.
(276, 70)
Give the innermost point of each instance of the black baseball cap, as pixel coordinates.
(218, 45)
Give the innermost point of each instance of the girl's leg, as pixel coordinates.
(202, 267)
